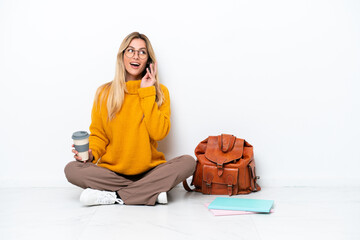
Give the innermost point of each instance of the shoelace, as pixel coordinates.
(105, 198)
(108, 198)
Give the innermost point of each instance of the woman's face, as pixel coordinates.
(135, 59)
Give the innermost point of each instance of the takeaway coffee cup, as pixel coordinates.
(81, 142)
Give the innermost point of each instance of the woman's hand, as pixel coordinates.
(78, 158)
(149, 79)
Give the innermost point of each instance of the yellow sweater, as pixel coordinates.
(127, 144)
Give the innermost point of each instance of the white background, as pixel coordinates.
(284, 75)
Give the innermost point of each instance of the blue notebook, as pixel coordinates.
(241, 204)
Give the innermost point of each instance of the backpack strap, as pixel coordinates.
(231, 183)
(226, 142)
(186, 186)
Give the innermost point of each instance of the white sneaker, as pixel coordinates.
(92, 197)
(162, 198)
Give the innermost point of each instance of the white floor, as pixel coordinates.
(300, 213)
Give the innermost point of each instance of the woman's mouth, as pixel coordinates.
(135, 65)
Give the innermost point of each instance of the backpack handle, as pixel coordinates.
(226, 142)
(186, 186)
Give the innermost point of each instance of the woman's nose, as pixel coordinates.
(136, 55)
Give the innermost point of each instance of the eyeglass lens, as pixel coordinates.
(130, 53)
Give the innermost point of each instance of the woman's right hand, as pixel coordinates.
(78, 158)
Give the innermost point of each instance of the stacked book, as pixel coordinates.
(237, 206)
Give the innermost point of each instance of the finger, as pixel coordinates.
(77, 157)
(155, 68)
(144, 79)
(73, 145)
(74, 151)
(151, 68)
(148, 72)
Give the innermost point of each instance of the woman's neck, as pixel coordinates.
(129, 77)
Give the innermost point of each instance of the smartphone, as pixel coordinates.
(147, 67)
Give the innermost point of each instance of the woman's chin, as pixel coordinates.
(133, 76)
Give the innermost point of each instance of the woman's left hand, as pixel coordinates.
(149, 79)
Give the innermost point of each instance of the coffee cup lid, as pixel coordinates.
(80, 135)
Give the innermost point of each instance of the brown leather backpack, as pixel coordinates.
(225, 165)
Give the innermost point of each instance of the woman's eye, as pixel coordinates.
(130, 50)
(143, 52)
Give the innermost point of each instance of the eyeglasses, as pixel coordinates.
(130, 52)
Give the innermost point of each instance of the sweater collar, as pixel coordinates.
(133, 86)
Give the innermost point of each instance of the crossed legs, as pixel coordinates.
(139, 189)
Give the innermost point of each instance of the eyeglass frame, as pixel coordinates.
(138, 52)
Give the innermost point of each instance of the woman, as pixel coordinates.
(129, 115)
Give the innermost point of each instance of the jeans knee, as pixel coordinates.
(189, 162)
(70, 170)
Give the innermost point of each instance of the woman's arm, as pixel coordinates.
(157, 119)
(98, 139)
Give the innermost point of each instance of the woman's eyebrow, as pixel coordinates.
(139, 48)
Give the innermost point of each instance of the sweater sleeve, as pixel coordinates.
(157, 119)
(98, 139)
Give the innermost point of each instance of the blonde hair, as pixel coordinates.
(116, 89)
